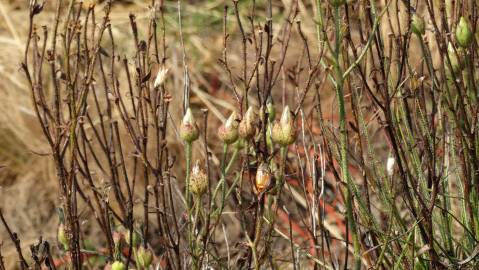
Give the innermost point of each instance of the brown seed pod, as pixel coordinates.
(263, 177)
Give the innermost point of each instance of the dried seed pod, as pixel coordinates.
(160, 77)
(189, 130)
(198, 182)
(263, 177)
(284, 131)
(247, 126)
(228, 132)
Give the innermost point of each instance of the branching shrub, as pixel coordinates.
(353, 143)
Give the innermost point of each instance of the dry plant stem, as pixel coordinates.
(257, 231)
(56, 140)
(2, 264)
(16, 242)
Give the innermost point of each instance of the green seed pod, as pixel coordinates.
(228, 132)
(463, 33)
(117, 265)
(188, 129)
(418, 26)
(198, 182)
(284, 131)
(247, 126)
(144, 257)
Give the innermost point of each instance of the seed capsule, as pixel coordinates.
(247, 126)
(228, 132)
(188, 129)
(263, 177)
(463, 33)
(284, 131)
(198, 181)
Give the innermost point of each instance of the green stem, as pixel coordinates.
(234, 156)
(344, 142)
(196, 252)
(223, 177)
(187, 195)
